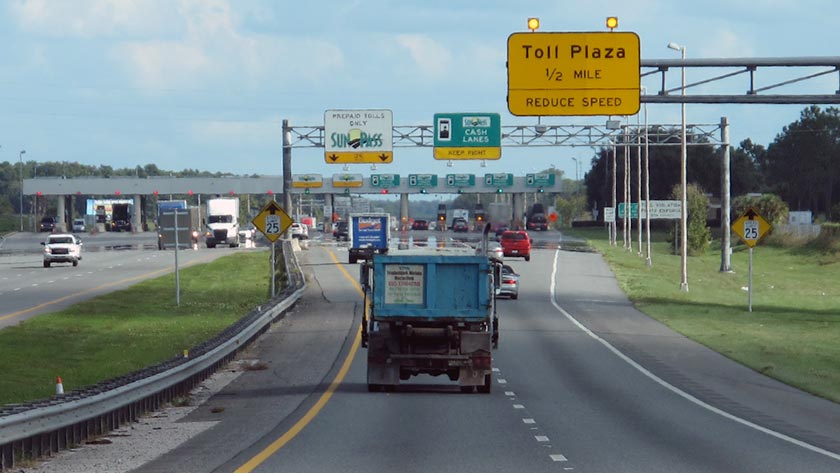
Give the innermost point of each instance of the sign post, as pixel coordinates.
(272, 221)
(751, 228)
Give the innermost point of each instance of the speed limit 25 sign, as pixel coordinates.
(751, 227)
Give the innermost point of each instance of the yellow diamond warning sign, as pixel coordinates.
(751, 227)
(272, 221)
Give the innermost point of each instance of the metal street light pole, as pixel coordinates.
(683, 191)
(647, 187)
(20, 159)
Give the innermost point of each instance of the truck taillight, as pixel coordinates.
(482, 362)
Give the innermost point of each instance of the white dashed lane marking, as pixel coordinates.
(531, 422)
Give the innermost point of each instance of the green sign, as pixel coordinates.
(543, 179)
(460, 180)
(467, 136)
(422, 180)
(384, 180)
(498, 179)
(634, 210)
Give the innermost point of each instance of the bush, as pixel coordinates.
(769, 206)
(698, 209)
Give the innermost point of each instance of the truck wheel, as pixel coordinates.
(467, 389)
(352, 260)
(527, 257)
(488, 381)
(75, 263)
(46, 264)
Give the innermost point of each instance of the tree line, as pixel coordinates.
(801, 166)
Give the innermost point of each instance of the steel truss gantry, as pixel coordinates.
(539, 135)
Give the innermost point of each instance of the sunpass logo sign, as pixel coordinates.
(358, 136)
(356, 139)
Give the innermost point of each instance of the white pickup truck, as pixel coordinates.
(62, 248)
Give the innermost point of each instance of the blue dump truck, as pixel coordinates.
(369, 233)
(431, 311)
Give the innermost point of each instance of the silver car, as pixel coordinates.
(509, 284)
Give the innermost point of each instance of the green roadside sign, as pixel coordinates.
(501, 179)
(543, 179)
(422, 180)
(467, 136)
(460, 180)
(384, 180)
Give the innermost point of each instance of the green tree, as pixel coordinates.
(770, 206)
(699, 234)
(802, 165)
(570, 208)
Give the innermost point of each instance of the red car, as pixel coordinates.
(516, 243)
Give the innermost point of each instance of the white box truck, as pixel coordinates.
(222, 222)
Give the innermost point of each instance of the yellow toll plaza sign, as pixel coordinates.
(751, 227)
(272, 221)
(595, 73)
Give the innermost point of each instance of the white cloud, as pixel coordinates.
(162, 64)
(91, 18)
(212, 49)
(238, 133)
(432, 58)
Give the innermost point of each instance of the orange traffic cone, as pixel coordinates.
(59, 387)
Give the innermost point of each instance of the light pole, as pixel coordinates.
(683, 191)
(577, 173)
(647, 186)
(20, 159)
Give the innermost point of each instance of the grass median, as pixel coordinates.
(793, 330)
(121, 332)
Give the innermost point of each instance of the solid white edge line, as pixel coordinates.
(670, 387)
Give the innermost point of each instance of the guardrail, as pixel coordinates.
(41, 428)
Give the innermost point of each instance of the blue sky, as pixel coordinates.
(205, 84)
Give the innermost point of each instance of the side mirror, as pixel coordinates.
(43, 243)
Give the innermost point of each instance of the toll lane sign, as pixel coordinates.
(571, 74)
(467, 136)
(358, 136)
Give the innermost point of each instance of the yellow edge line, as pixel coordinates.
(94, 289)
(322, 401)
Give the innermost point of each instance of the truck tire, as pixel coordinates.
(352, 259)
(488, 382)
(467, 389)
(527, 257)
(75, 263)
(46, 264)
(374, 388)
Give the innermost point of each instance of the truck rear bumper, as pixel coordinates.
(465, 357)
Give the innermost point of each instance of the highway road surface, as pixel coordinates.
(583, 382)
